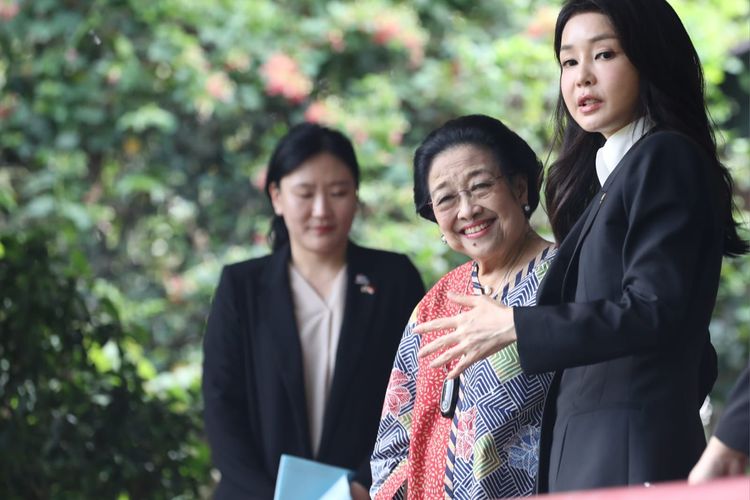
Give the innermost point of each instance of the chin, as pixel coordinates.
(327, 247)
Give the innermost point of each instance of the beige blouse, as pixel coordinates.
(319, 326)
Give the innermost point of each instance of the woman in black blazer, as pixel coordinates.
(273, 385)
(643, 210)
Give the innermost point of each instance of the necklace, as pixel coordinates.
(488, 290)
(449, 393)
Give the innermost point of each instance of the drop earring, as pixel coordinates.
(442, 238)
(526, 209)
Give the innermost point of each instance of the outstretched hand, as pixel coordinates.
(718, 460)
(484, 329)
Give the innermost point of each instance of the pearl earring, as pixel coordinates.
(527, 209)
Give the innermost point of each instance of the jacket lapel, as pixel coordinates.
(589, 216)
(277, 302)
(361, 297)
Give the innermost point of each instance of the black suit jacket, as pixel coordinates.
(622, 318)
(253, 385)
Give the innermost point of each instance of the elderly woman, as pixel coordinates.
(474, 436)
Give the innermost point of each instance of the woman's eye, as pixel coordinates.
(481, 186)
(339, 194)
(607, 54)
(445, 200)
(305, 195)
(568, 62)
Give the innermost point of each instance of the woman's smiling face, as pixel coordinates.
(479, 211)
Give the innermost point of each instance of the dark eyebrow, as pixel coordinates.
(597, 38)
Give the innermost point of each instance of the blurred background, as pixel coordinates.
(134, 136)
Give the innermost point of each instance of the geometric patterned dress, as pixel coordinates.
(489, 449)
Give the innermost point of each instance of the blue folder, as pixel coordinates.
(302, 479)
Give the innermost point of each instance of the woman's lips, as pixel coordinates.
(589, 104)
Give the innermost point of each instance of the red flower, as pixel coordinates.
(283, 77)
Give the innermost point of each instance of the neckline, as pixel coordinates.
(477, 288)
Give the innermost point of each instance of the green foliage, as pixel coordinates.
(76, 420)
(138, 132)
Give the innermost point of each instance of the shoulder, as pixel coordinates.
(375, 255)
(669, 146)
(454, 280)
(667, 161)
(384, 262)
(247, 268)
(239, 278)
(435, 299)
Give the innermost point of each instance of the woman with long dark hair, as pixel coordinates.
(642, 207)
(299, 343)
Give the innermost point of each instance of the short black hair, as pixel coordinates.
(513, 155)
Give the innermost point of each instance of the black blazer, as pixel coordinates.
(622, 318)
(253, 388)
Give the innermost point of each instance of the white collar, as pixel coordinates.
(618, 145)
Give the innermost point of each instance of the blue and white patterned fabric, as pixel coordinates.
(494, 439)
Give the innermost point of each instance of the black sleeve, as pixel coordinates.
(733, 428)
(226, 404)
(412, 290)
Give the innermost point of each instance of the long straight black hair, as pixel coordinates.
(671, 96)
(301, 143)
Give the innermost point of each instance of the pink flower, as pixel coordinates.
(386, 29)
(283, 77)
(397, 394)
(317, 112)
(465, 433)
(219, 86)
(8, 9)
